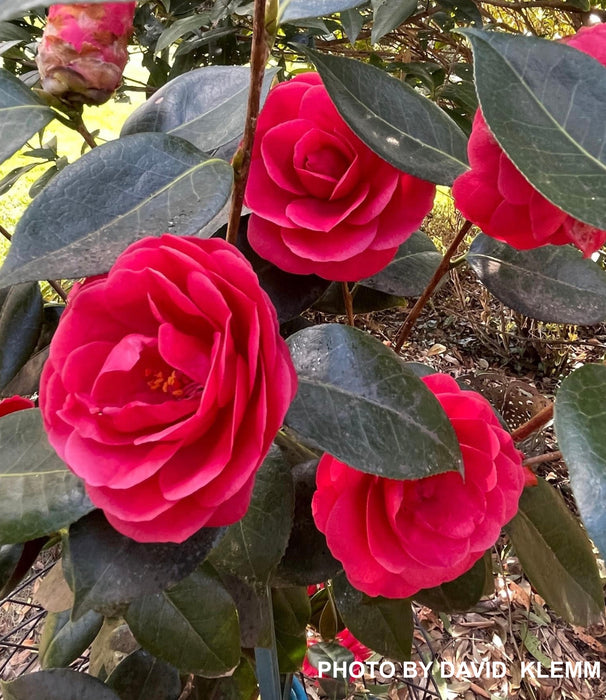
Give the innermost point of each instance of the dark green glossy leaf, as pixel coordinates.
(57, 684)
(13, 572)
(382, 624)
(302, 9)
(556, 555)
(193, 625)
(388, 15)
(252, 547)
(143, 677)
(553, 283)
(409, 272)
(357, 400)
(352, 21)
(544, 102)
(111, 645)
(330, 652)
(39, 495)
(141, 185)
(307, 559)
(21, 114)
(291, 611)
(241, 685)
(63, 641)
(580, 426)
(249, 601)
(206, 107)
(398, 123)
(107, 570)
(462, 593)
(20, 323)
(365, 300)
(463, 10)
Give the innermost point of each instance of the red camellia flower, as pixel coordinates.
(396, 537)
(166, 383)
(14, 403)
(498, 198)
(84, 49)
(322, 201)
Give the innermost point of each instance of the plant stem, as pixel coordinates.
(85, 133)
(348, 300)
(442, 269)
(542, 459)
(534, 424)
(55, 285)
(258, 59)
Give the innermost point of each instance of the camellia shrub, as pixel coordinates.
(202, 450)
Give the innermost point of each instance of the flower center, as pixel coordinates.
(176, 383)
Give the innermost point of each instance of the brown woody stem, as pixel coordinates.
(443, 268)
(55, 285)
(258, 59)
(542, 459)
(85, 133)
(348, 300)
(534, 424)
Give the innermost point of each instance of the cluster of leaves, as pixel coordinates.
(236, 598)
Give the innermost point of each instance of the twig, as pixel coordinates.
(85, 133)
(541, 459)
(188, 688)
(443, 267)
(258, 59)
(55, 285)
(348, 300)
(534, 424)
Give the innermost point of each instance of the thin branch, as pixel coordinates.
(348, 301)
(258, 59)
(442, 269)
(543, 459)
(535, 423)
(534, 3)
(85, 133)
(55, 285)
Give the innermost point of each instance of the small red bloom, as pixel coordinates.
(84, 50)
(322, 201)
(14, 403)
(394, 537)
(166, 383)
(495, 196)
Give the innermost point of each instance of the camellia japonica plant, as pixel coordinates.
(202, 449)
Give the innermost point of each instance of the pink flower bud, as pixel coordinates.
(84, 50)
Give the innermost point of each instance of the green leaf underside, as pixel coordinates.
(291, 612)
(252, 547)
(193, 625)
(400, 125)
(388, 15)
(206, 107)
(304, 9)
(63, 640)
(552, 283)
(332, 652)
(17, 8)
(107, 570)
(556, 555)
(141, 185)
(357, 401)
(382, 624)
(57, 684)
(21, 114)
(409, 273)
(38, 494)
(580, 425)
(544, 102)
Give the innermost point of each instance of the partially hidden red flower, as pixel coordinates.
(394, 537)
(498, 198)
(15, 403)
(322, 201)
(346, 639)
(84, 50)
(166, 383)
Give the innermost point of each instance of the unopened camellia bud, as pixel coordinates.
(84, 49)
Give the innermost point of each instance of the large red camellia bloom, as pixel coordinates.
(396, 537)
(166, 383)
(84, 50)
(322, 201)
(496, 196)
